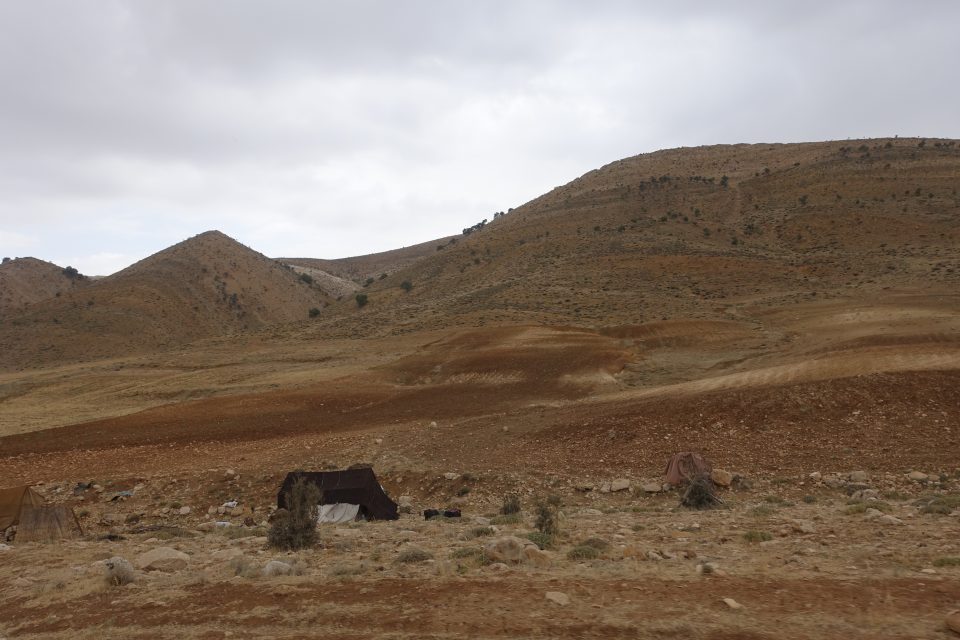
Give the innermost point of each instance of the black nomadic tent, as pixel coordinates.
(352, 486)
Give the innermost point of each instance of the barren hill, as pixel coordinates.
(375, 265)
(25, 281)
(693, 233)
(209, 285)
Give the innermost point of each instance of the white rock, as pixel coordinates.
(918, 476)
(277, 568)
(620, 484)
(5, 547)
(378, 441)
(652, 487)
(557, 597)
(857, 476)
(605, 487)
(816, 476)
(185, 511)
(162, 559)
(451, 476)
(888, 519)
(733, 604)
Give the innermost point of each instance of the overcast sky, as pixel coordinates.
(327, 129)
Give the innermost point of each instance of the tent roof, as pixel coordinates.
(353, 486)
(12, 502)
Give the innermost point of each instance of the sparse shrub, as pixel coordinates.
(119, 572)
(809, 499)
(361, 299)
(583, 552)
(701, 493)
(306, 277)
(941, 505)
(861, 506)
(511, 504)
(296, 526)
(478, 532)
(763, 510)
(368, 282)
(548, 516)
(542, 540)
(757, 536)
(411, 556)
(383, 276)
(406, 285)
(513, 518)
(597, 543)
(236, 533)
(71, 273)
(462, 491)
(314, 312)
(803, 199)
(947, 562)
(724, 181)
(464, 553)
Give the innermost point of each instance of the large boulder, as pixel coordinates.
(721, 478)
(508, 549)
(277, 568)
(163, 559)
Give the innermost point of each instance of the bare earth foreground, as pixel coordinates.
(796, 322)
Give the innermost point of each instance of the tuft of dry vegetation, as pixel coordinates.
(296, 526)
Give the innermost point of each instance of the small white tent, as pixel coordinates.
(337, 513)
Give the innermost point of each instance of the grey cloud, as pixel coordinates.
(368, 125)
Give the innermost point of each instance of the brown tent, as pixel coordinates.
(48, 524)
(685, 466)
(14, 501)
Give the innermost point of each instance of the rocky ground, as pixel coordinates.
(813, 555)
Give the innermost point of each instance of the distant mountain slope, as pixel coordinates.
(209, 285)
(374, 265)
(693, 233)
(26, 281)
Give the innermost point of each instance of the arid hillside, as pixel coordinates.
(692, 233)
(361, 268)
(209, 285)
(25, 281)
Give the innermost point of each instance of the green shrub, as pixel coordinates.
(411, 556)
(597, 543)
(542, 540)
(406, 285)
(361, 299)
(306, 277)
(314, 312)
(513, 518)
(809, 499)
(860, 506)
(757, 536)
(467, 553)
(583, 552)
(296, 526)
(947, 562)
(462, 491)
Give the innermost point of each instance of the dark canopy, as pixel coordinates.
(353, 486)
